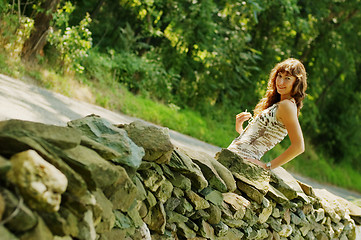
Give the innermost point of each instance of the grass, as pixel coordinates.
(110, 95)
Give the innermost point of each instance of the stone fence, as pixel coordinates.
(95, 180)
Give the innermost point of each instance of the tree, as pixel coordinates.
(37, 40)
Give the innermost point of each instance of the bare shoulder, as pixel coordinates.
(287, 105)
(286, 109)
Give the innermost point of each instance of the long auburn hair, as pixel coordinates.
(295, 68)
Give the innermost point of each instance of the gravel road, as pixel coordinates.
(20, 100)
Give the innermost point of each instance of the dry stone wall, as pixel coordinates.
(95, 180)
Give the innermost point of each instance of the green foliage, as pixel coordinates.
(72, 42)
(14, 29)
(141, 75)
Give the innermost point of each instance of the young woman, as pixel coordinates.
(276, 115)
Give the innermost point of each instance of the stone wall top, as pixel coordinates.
(94, 180)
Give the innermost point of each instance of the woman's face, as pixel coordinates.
(284, 84)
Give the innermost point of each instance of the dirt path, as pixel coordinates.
(19, 100)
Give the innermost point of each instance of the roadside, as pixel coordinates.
(19, 100)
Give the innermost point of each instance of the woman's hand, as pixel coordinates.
(257, 162)
(240, 119)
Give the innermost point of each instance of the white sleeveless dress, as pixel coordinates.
(261, 135)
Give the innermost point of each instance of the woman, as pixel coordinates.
(275, 116)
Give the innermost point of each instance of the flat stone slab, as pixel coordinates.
(335, 205)
(125, 151)
(181, 163)
(62, 137)
(155, 140)
(245, 171)
(204, 161)
(285, 183)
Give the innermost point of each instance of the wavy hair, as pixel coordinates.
(295, 68)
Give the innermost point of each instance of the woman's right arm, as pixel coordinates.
(240, 119)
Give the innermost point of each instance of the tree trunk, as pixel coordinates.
(37, 40)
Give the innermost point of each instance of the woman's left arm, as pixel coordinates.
(287, 114)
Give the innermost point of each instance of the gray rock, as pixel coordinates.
(40, 183)
(86, 227)
(62, 137)
(307, 189)
(202, 214)
(237, 203)
(62, 223)
(39, 232)
(103, 132)
(104, 151)
(164, 191)
(235, 223)
(197, 201)
(214, 214)
(206, 230)
(245, 171)
(106, 219)
(285, 183)
(251, 191)
(183, 164)
(212, 196)
(124, 223)
(296, 220)
(171, 235)
(277, 196)
(184, 207)
(172, 203)
(192, 225)
(156, 218)
(319, 214)
(185, 231)
(286, 231)
(155, 140)
(152, 179)
(340, 205)
(17, 212)
(174, 217)
(142, 233)
(2, 206)
(151, 200)
(232, 233)
(133, 213)
(181, 182)
(5, 166)
(333, 205)
(265, 214)
(96, 171)
(275, 224)
(142, 209)
(14, 144)
(177, 192)
(221, 230)
(6, 234)
(189, 186)
(141, 192)
(123, 192)
(225, 174)
(204, 161)
(116, 234)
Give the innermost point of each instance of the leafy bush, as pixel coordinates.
(14, 30)
(72, 42)
(141, 75)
